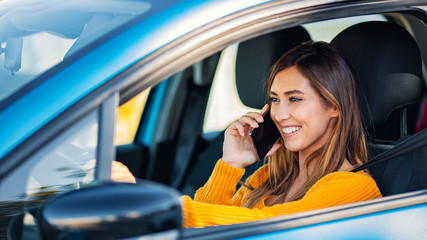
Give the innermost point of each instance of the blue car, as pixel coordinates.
(154, 83)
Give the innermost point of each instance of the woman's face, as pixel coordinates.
(303, 118)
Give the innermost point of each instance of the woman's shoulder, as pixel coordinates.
(344, 187)
(347, 179)
(347, 175)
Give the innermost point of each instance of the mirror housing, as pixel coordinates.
(113, 211)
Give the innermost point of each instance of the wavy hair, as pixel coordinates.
(334, 80)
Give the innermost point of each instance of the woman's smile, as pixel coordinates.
(290, 131)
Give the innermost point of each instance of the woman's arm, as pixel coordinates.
(238, 153)
(221, 186)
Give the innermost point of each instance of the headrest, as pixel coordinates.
(255, 58)
(388, 63)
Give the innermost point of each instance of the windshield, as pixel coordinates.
(35, 35)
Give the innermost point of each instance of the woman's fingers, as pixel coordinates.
(247, 123)
(273, 149)
(250, 120)
(240, 128)
(264, 109)
(238, 150)
(120, 173)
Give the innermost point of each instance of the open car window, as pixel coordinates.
(224, 104)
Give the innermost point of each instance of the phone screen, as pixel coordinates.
(265, 135)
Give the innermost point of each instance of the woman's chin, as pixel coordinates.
(292, 147)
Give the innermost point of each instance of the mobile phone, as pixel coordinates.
(264, 136)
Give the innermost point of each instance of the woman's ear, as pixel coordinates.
(334, 112)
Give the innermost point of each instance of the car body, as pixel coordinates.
(59, 116)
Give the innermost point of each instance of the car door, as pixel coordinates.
(68, 162)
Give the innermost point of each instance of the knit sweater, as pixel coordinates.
(218, 203)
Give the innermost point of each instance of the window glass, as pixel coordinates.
(224, 105)
(50, 31)
(327, 30)
(65, 164)
(128, 117)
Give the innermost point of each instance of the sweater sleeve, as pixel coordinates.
(221, 186)
(332, 190)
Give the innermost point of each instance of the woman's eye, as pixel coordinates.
(272, 99)
(295, 99)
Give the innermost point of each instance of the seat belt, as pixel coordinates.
(411, 144)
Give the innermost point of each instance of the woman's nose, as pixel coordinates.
(281, 113)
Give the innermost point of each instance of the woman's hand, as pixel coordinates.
(120, 173)
(238, 149)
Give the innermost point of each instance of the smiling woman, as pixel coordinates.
(308, 166)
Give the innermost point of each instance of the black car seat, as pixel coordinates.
(388, 63)
(253, 62)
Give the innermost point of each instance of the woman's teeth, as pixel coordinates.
(290, 129)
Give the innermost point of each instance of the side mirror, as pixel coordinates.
(113, 211)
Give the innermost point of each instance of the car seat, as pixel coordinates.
(253, 61)
(388, 63)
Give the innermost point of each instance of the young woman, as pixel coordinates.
(313, 102)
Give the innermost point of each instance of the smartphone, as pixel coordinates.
(265, 136)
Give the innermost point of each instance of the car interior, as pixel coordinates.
(390, 79)
(387, 60)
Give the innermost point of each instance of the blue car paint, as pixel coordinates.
(370, 226)
(46, 101)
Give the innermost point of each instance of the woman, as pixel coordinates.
(313, 102)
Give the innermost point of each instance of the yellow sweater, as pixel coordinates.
(218, 203)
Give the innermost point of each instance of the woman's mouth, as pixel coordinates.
(289, 130)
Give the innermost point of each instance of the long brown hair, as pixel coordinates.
(334, 80)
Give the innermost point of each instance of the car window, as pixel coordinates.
(328, 29)
(64, 164)
(31, 44)
(224, 104)
(128, 117)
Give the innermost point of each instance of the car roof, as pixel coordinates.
(55, 90)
